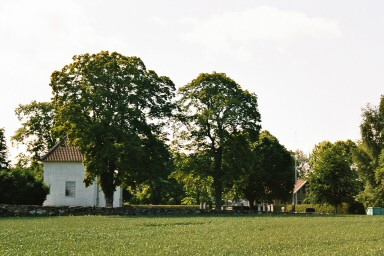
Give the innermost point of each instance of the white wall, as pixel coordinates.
(55, 176)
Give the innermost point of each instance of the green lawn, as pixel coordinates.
(196, 235)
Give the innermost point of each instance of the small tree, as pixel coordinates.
(36, 132)
(333, 179)
(4, 162)
(302, 164)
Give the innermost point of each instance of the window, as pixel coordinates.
(70, 188)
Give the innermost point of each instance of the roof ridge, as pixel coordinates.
(52, 149)
(299, 185)
(65, 153)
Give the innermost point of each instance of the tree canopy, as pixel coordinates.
(213, 109)
(36, 131)
(270, 174)
(333, 179)
(118, 114)
(192, 171)
(302, 164)
(113, 109)
(369, 155)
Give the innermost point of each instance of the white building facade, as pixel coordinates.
(64, 173)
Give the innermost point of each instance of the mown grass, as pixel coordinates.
(196, 235)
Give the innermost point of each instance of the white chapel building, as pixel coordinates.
(64, 173)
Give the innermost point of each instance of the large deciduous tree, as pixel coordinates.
(269, 174)
(214, 109)
(369, 157)
(36, 131)
(333, 179)
(4, 162)
(113, 109)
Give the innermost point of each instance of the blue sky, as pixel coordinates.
(313, 64)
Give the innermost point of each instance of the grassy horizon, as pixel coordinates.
(194, 235)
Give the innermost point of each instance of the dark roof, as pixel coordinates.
(299, 184)
(62, 152)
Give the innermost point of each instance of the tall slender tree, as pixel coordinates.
(4, 161)
(214, 109)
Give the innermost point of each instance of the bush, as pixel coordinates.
(19, 186)
(353, 208)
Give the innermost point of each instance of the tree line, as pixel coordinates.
(200, 143)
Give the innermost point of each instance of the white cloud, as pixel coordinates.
(38, 37)
(42, 29)
(239, 31)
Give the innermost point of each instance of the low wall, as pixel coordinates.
(35, 210)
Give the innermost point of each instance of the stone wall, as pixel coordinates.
(34, 210)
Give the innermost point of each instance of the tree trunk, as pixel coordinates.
(155, 195)
(108, 187)
(108, 200)
(217, 179)
(218, 195)
(198, 196)
(251, 203)
(337, 209)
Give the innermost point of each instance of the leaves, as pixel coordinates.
(114, 109)
(368, 155)
(4, 162)
(36, 131)
(20, 186)
(333, 179)
(192, 171)
(213, 109)
(270, 173)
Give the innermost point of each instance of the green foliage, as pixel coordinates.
(4, 162)
(345, 208)
(191, 171)
(19, 186)
(372, 129)
(167, 192)
(271, 174)
(333, 179)
(213, 109)
(36, 132)
(302, 164)
(369, 155)
(113, 109)
(202, 235)
(153, 186)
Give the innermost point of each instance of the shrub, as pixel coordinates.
(353, 208)
(19, 186)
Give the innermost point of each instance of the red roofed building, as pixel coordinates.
(64, 173)
(300, 190)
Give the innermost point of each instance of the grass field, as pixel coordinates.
(196, 235)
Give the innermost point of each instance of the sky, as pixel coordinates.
(313, 64)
